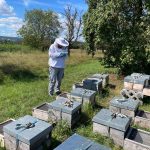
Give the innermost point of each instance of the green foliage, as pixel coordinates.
(40, 28)
(10, 47)
(121, 29)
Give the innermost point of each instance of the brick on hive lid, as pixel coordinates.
(94, 84)
(59, 111)
(83, 96)
(114, 127)
(124, 106)
(79, 142)
(16, 135)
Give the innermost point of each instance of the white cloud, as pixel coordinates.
(5, 9)
(26, 2)
(10, 25)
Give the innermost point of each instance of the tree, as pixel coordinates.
(73, 24)
(40, 28)
(120, 28)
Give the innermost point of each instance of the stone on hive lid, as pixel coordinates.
(104, 117)
(31, 135)
(77, 142)
(59, 105)
(120, 102)
(83, 92)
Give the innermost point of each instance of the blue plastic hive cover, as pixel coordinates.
(77, 142)
(82, 92)
(121, 102)
(104, 117)
(59, 105)
(92, 83)
(129, 79)
(31, 135)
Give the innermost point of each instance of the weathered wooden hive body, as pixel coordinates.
(41, 112)
(1, 131)
(115, 127)
(77, 142)
(137, 140)
(104, 77)
(83, 96)
(142, 119)
(94, 84)
(27, 133)
(59, 111)
(124, 106)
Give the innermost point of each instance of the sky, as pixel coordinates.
(12, 12)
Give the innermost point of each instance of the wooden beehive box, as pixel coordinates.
(115, 128)
(146, 91)
(77, 142)
(137, 140)
(93, 84)
(59, 111)
(18, 136)
(128, 82)
(142, 119)
(83, 96)
(1, 131)
(124, 106)
(104, 77)
(41, 112)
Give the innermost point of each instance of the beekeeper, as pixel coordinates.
(57, 55)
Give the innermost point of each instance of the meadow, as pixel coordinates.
(24, 83)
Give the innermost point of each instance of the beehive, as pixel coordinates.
(137, 140)
(64, 94)
(94, 84)
(104, 77)
(128, 82)
(114, 127)
(124, 106)
(27, 133)
(41, 112)
(59, 111)
(83, 96)
(77, 142)
(142, 119)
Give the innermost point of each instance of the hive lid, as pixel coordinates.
(129, 79)
(82, 92)
(103, 76)
(77, 142)
(31, 135)
(59, 105)
(120, 102)
(104, 117)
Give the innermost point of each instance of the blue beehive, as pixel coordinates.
(93, 84)
(77, 142)
(83, 95)
(128, 107)
(30, 136)
(62, 112)
(112, 125)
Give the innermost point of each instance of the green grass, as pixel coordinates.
(25, 82)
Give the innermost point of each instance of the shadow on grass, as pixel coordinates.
(54, 144)
(146, 100)
(19, 74)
